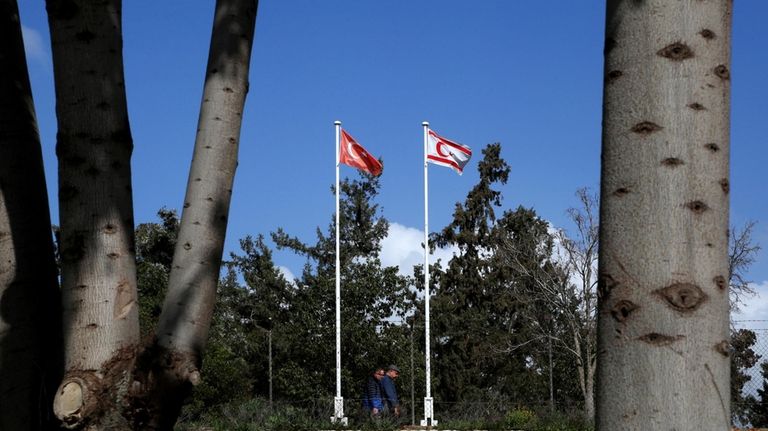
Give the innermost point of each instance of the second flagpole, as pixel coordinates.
(428, 401)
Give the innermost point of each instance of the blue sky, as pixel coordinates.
(525, 74)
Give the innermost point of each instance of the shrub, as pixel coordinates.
(519, 418)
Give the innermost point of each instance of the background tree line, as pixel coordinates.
(513, 310)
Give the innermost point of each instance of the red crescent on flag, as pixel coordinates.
(439, 148)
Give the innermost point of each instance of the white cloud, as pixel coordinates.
(755, 307)
(403, 248)
(33, 44)
(287, 274)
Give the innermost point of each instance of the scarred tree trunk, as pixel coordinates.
(663, 294)
(94, 146)
(30, 331)
(183, 326)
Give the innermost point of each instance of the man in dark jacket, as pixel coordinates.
(389, 392)
(372, 402)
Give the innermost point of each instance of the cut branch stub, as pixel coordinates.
(712, 147)
(720, 282)
(621, 191)
(646, 128)
(74, 402)
(672, 162)
(722, 72)
(723, 348)
(605, 284)
(613, 75)
(622, 309)
(707, 34)
(677, 51)
(683, 297)
(697, 207)
(657, 339)
(725, 185)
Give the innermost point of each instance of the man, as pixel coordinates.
(372, 402)
(389, 392)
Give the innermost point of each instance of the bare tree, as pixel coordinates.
(581, 253)
(741, 255)
(663, 288)
(562, 303)
(30, 335)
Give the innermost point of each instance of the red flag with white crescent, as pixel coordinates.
(353, 154)
(445, 152)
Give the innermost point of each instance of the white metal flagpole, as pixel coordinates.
(429, 419)
(338, 402)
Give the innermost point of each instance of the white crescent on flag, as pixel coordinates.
(353, 154)
(445, 152)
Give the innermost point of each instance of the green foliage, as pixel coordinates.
(561, 422)
(155, 243)
(372, 297)
(523, 419)
(743, 357)
(485, 352)
(225, 377)
(482, 341)
(254, 415)
(519, 418)
(758, 406)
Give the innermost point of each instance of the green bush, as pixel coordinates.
(562, 422)
(519, 418)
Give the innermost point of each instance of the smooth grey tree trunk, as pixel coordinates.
(30, 331)
(186, 316)
(663, 296)
(94, 146)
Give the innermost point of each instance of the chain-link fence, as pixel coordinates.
(749, 362)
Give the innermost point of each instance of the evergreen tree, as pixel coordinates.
(743, 357)
(758, 414)
(374, 301)
(248, 315)
(154, 252)
(475, 311)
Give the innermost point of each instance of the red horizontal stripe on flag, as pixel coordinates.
(452, 144)
(443, 160)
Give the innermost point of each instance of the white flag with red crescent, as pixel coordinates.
(445, 152)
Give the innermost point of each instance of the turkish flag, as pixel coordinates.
(353, 154)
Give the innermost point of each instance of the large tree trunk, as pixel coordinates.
(30, 331)
(183, 327)
(94, 148)
(663, 294)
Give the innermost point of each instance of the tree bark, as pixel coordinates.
(663, 290)
(94, 146)
(183, 327)
(30, 331)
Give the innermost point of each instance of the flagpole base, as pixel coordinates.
(338, 412)
(429, 419)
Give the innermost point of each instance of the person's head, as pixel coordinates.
(378, 373)
(393, 371)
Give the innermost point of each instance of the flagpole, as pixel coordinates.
(428, 401)
(338, 402)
